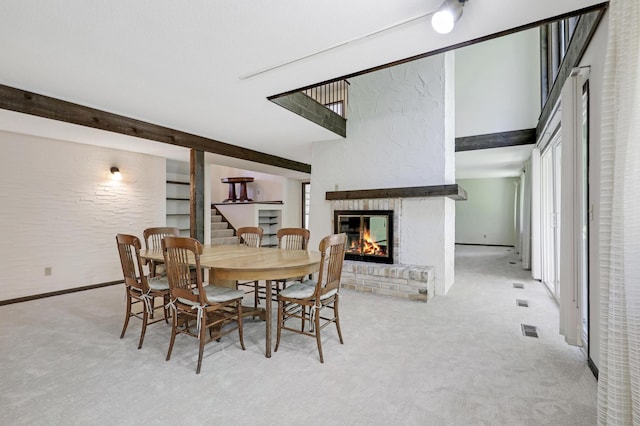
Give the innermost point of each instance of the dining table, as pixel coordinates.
(229, 263)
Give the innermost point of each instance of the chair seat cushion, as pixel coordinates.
(304, 290)
(158, 284)
(298, 291)
(221, 294)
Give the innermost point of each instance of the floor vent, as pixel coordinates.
(522, 303)
(529, 330)
(518, 285)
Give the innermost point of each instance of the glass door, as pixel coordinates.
(550, 161)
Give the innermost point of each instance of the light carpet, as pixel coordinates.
(460, 359)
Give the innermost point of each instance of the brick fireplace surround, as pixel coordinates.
(413, 282)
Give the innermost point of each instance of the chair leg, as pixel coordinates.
(174, 326)
(304, 313)
(280, 319)
(317, 331)
(240, 332)
(153, 306)
(256, 294)
(127, 315)
(165, 301)
(145, 319)
(201, 337)
(337, 320)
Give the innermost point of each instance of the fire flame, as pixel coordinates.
(368, 246)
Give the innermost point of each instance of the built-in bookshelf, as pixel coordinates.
(178, 204)
(270, 221)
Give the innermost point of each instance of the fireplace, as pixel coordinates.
(369, 234)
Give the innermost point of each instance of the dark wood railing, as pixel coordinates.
(333, 95)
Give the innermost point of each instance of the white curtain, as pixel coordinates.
(619, 379)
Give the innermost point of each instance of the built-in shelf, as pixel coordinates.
(178, 205)
(270, 221)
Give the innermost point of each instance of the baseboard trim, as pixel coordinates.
(483, 245)
(58, 292)
(593, 367)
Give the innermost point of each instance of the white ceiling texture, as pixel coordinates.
(190, 65)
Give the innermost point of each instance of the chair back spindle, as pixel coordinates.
(250, 236)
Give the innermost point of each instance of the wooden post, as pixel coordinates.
(196, 178)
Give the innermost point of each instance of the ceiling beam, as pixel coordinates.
(496, 140)
(56, 109)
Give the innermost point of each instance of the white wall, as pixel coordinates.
(488, 214)
(265, 187)
(60, 208)
(398, 135)
(498, 85)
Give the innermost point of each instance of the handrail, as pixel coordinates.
(333, 96)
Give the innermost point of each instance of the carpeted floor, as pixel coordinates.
(460, 359)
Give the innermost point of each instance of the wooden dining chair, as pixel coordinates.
(152, 240)
(315, 296)
(250, 236)
(289, 239)
(140, 290)
(211, 308)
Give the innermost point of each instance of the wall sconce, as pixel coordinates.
(116, 173)
(448, 13)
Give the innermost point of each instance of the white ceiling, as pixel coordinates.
(179, 64)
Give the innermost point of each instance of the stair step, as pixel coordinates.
(216, 218)
(224, 241)
(219, 225)
(219, 233)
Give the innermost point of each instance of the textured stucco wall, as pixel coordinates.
(60, 208)
(498, 84)
(398, 135)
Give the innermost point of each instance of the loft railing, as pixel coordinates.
(333, 96)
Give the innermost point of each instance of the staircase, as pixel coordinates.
(221, 231)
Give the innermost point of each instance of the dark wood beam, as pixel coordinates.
(55, 109)
(312, 110)
(586, 27)
(601, 7)
(196, 179)
(454, 191)
(496, 140)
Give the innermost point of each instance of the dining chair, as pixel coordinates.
(152, 240)
(210, 307)
(315, 295)
(140, 290)
(289, 239)
(250, 236)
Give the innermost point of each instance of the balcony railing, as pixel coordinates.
(333, 96)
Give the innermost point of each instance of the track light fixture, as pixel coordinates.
(448, 13)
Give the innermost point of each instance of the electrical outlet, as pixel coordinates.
(484, 236)
(336, 187)
(48, 271)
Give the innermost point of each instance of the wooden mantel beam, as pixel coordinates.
(56, 109)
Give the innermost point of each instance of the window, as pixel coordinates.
(306, 203)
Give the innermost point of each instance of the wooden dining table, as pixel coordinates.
(230, 263)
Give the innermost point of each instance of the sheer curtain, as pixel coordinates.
(619, 379)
